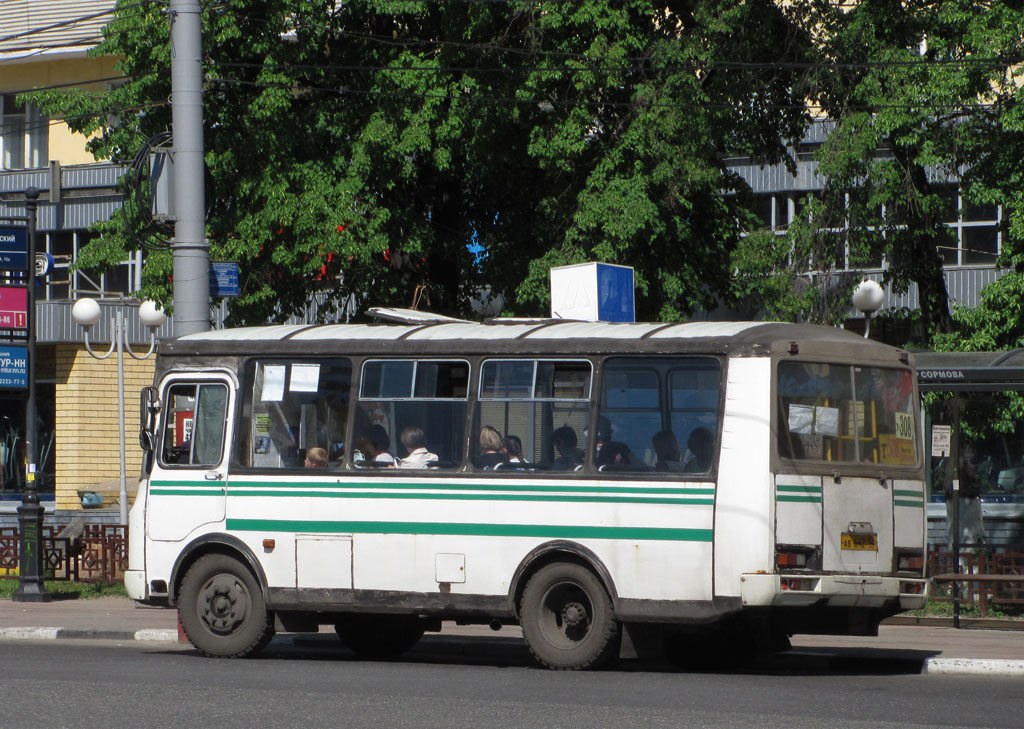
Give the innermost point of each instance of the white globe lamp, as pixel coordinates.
(86, 312)
(868, 298)
(152, 315)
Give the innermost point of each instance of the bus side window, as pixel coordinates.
(194, 425)
(294, 410)
(411, 414)
(658, 414)
(538, 409)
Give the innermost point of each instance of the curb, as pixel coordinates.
(150, 634)
(973, 667)
(966, 623)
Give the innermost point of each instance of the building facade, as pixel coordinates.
(44, 44)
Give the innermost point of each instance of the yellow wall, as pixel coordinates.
(65, 146)
(86, 450)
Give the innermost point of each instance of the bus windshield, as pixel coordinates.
(836, 412)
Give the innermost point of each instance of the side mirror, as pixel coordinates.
(149, 406)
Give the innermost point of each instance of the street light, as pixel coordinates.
(87, 313)
(868, 297)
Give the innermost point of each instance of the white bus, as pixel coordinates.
(605, 486)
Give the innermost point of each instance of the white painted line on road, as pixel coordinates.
(974, 666)
(29, 633)
(166, 635)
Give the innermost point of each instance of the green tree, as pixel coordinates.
(917, 96)
(358, 148)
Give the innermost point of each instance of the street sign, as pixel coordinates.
(13, 247)
(13, 368)
(13, 307)
(224, 279)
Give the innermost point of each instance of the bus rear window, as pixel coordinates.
(849, 413)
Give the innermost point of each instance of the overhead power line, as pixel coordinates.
(71, 21)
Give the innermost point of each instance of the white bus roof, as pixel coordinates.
(538, 336)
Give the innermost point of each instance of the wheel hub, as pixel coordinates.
(574, 614)
(224, 604)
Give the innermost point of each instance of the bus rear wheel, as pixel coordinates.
(380, 637)
(222, 610)
(567, 618)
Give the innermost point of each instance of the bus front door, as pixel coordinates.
(188, 483)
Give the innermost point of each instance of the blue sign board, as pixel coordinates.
(13, 247)
(224, 279)
(13, 368)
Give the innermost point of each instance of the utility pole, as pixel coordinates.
(190, 250)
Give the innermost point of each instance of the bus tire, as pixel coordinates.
(380, 637)
(222, 610)
(567, 618)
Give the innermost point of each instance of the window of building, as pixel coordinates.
(24, 135)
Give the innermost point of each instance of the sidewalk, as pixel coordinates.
(938, 648)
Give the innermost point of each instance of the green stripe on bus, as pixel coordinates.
(798, 489)
(799, 499)
(913, 493)
(195, 483)
(550, 531)
(917, 504)
(187, 492)
(476, 497)
(470, 486)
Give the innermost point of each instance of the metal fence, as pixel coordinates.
(98, 554)
(983, 579)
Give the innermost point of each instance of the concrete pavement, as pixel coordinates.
(937, 647)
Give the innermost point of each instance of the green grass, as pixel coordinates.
(62, 590)
(945, 610)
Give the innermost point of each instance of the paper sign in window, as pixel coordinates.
(826, 421)
(305, 377)
(801, 419)
(273, 383)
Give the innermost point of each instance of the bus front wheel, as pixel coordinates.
(222, 610)
(567, 618)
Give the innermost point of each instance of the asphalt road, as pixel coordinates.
(87, 684)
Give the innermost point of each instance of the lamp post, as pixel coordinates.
(868, 297)
(30, 513)
(87, 313)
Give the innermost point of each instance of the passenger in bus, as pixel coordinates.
(569, 456)
(375, 445)
(666, 448)
(490, 449)
(513, 448)
(316, 458)
(607, 451)
(701, 444)
(414, 440)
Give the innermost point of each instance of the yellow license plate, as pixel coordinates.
(859, 541)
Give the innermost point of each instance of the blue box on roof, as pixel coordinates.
(592, 292)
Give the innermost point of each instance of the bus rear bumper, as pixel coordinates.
(869, 591)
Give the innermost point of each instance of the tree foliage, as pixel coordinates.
(359, 148)
(918, 94)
